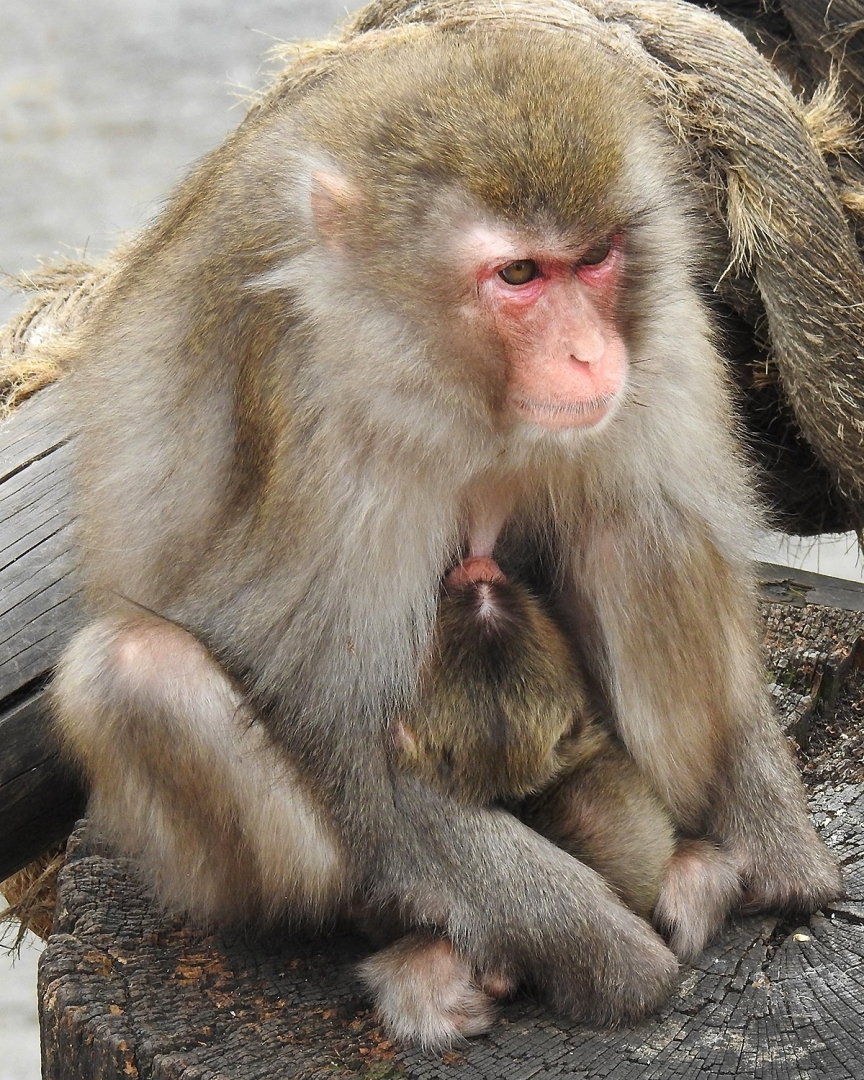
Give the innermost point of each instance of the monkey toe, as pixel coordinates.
(792, 897)
(426, 994)
(794, 879)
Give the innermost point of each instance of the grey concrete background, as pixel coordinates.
(19, 1031)
(103, 105)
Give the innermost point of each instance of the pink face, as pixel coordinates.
(554, 312)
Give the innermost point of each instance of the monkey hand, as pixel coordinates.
(616, 971)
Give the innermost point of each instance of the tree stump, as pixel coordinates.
(125, 993)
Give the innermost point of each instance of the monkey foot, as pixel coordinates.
(425, 993)
(702, 886)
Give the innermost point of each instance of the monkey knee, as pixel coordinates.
(80, 694)
(147, 646)
(220, 802)
(120, 670)
(112, 653)
(155, 659)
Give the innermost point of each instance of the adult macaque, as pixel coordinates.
(438, 300)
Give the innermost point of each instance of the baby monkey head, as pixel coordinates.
(501, 703)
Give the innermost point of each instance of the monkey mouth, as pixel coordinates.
(565, 414)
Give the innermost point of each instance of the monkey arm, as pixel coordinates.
(516, 905)
(514, 910)
(692, 707)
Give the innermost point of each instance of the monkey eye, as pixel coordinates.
(520, 272)
(598, 252)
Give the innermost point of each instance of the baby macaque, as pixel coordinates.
(504, 713)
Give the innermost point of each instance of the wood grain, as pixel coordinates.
(40, 798)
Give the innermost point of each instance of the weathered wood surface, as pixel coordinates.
(39, 611)
(126, 994)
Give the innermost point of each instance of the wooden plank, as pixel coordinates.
(39, 611)
(39, 606)
(40, 796)
(33, 430)
(785, 585)
(38, 615)
(37, 511)
(42, 480)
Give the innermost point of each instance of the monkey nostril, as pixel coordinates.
(580, 363)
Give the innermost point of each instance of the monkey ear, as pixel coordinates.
(333, 199)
